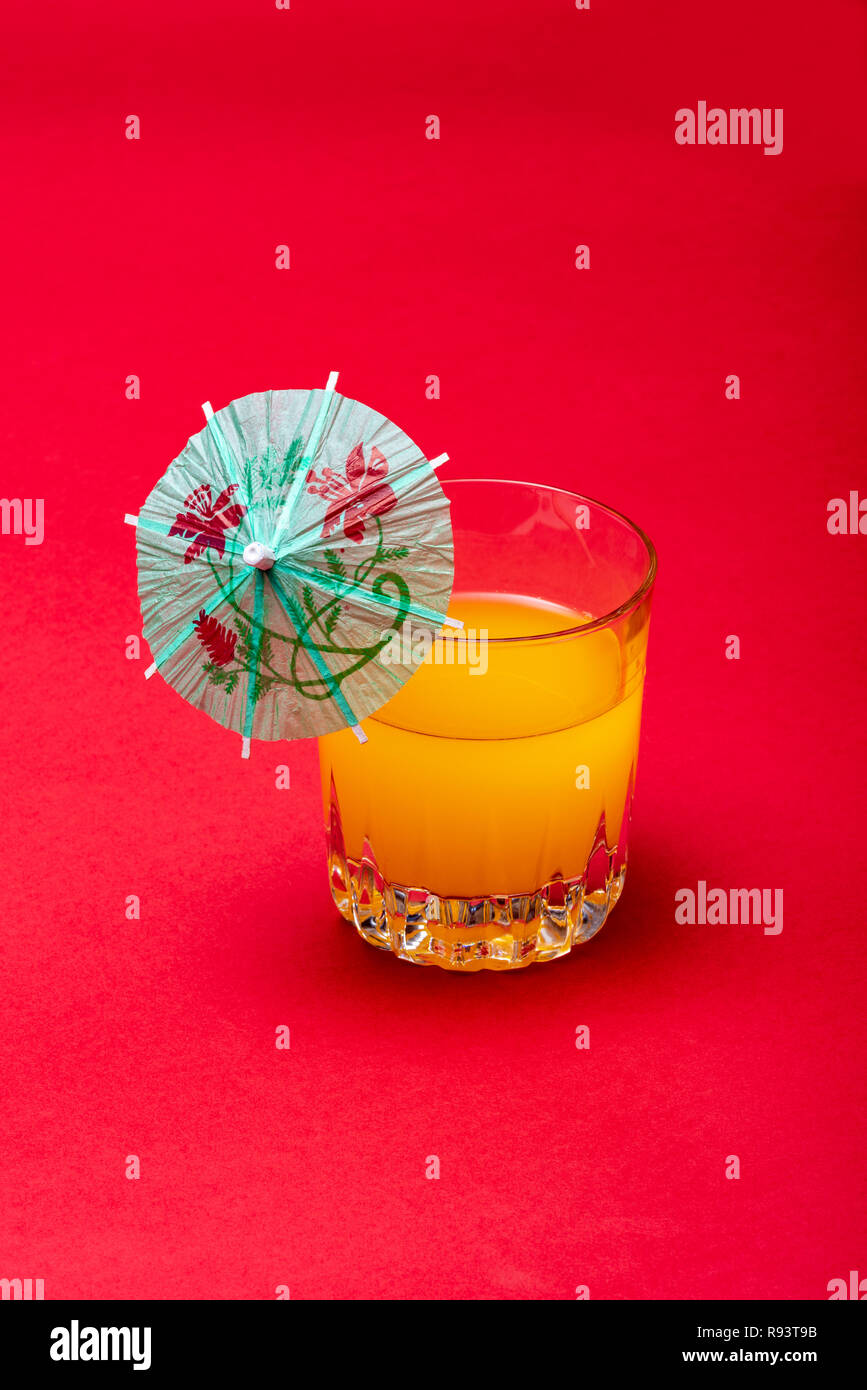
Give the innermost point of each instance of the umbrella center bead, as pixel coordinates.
(258, 556)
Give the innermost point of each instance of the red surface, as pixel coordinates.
(410, 257)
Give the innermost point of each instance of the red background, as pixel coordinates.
(410, 257)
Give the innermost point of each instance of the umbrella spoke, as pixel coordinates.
(307, 459)
(296, 617)
(161, 528)
(346, 587)
(226, 457)
(253, 677)
(186, 632)
(402, 483)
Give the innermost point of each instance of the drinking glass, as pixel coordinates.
(484, 824)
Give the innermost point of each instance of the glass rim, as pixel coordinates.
(605, 619)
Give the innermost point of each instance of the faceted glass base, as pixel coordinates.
(469, 934)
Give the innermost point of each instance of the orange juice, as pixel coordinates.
(477, 788)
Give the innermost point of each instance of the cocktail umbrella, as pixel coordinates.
(279, 554)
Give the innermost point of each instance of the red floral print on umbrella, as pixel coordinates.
(362, 494)
(217, 640)
(205, 522)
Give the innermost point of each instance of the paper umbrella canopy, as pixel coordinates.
(279, 554)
